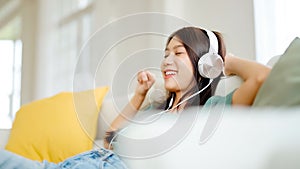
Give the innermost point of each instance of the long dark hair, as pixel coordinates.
(196, 43)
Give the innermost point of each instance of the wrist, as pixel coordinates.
(111, 129)
(139, 96)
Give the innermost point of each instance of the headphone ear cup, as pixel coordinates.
(210, 65)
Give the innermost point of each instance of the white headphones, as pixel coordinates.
(210, 65)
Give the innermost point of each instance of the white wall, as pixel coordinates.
(29, 28)
(233, 18)
(38, 50)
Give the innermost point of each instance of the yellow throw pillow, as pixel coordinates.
(57, 127)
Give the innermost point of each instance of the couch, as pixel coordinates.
(243, 138)
(239, 137)
(259, 138)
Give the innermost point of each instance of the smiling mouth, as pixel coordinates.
(169, 73)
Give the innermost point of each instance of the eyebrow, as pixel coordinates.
(176, 46)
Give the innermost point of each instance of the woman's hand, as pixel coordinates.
(145, 81)
(109, 138)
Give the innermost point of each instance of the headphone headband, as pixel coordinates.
(213, 41)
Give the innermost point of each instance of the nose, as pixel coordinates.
(168, 60)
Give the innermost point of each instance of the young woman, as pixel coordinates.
(180, 70)
(182, 79)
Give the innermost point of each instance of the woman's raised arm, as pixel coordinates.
(145, 82)
(253, 74)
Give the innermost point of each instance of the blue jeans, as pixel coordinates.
(94, 159)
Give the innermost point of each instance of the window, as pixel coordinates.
(74, 28)
(275, 26)
(10, 72)
(10, 61)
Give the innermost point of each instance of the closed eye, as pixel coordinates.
(179, 53)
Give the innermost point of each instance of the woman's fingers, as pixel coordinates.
(150, 77)
(145, 81)
(142, 77)
(145, 76)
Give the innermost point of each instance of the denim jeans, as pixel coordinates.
(94, 159)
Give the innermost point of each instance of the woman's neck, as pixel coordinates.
(176, 100)
(180, 95)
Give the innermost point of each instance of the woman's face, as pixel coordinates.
(177, 68)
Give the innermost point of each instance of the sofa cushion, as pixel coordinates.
(252, 138)
(283, 83)
(57, 127)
